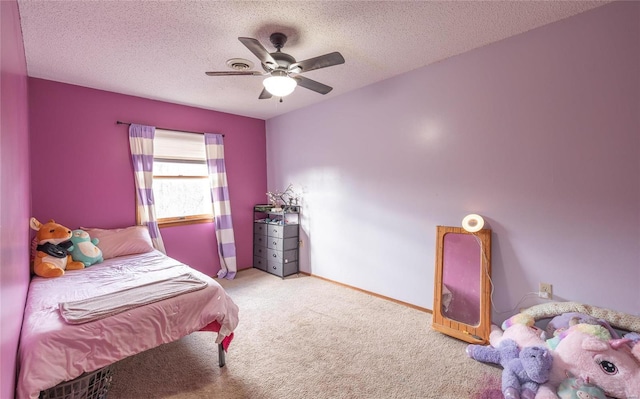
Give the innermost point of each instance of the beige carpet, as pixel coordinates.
(304, 337)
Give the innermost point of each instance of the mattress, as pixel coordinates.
(52, 351)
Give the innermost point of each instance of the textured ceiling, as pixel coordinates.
(161, 49)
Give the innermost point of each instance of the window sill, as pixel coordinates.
(183, 222)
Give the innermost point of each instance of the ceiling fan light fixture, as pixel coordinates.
(279, 85)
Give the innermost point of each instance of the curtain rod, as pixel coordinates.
(162, 128)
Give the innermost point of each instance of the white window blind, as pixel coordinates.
(179, 146)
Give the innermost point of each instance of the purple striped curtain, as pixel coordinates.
(141, 143)
(221, 206)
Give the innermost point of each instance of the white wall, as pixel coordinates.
(538, 133)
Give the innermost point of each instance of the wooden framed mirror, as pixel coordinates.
(462, 294)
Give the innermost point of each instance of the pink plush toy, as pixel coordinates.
(610, 364)
(524, 335)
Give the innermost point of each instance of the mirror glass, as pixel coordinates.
(462, 287)
(461, 278)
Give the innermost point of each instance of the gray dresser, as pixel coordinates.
(275, 240)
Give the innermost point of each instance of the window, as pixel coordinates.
(180, 178)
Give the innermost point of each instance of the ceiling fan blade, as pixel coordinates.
(234, 73)
(264, 95)
(322, 61)
(312, 85)
(259, 51)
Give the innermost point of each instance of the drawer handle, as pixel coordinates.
(275, 243)
(275, 230)
(274, 268)
(274, 255)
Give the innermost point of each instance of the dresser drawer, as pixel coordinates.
(282, 269)
(274, 267)
(282, 244)
(279, 231)
(260, 263)
(260, 240)
(260, 229)
(259, 250)
(273, 255)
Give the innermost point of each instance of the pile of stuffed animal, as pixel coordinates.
(59, 248)
(577, 355)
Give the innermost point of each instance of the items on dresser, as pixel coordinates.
(276, 239)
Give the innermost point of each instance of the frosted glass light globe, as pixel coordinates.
(280, 86)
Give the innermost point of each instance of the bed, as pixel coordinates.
(53, 349)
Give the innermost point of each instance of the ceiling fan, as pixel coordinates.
(283, 70)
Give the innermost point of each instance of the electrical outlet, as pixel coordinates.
(301, 243)
(545, 291)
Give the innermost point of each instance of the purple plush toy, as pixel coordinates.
(524, 370)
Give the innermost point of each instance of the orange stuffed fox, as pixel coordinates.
(53, 251)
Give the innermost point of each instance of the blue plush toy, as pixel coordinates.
(524, 370)
(85, 249)
(577, 388)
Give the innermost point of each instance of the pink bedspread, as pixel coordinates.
(52, 351)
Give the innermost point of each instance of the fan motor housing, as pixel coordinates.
(283, 60)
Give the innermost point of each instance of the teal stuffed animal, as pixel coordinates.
(85, 249)
(577, 388)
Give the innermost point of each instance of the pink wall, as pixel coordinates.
(82, 173)
(14, 191)
(539, 133)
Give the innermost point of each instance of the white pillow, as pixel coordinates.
(120, 242)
